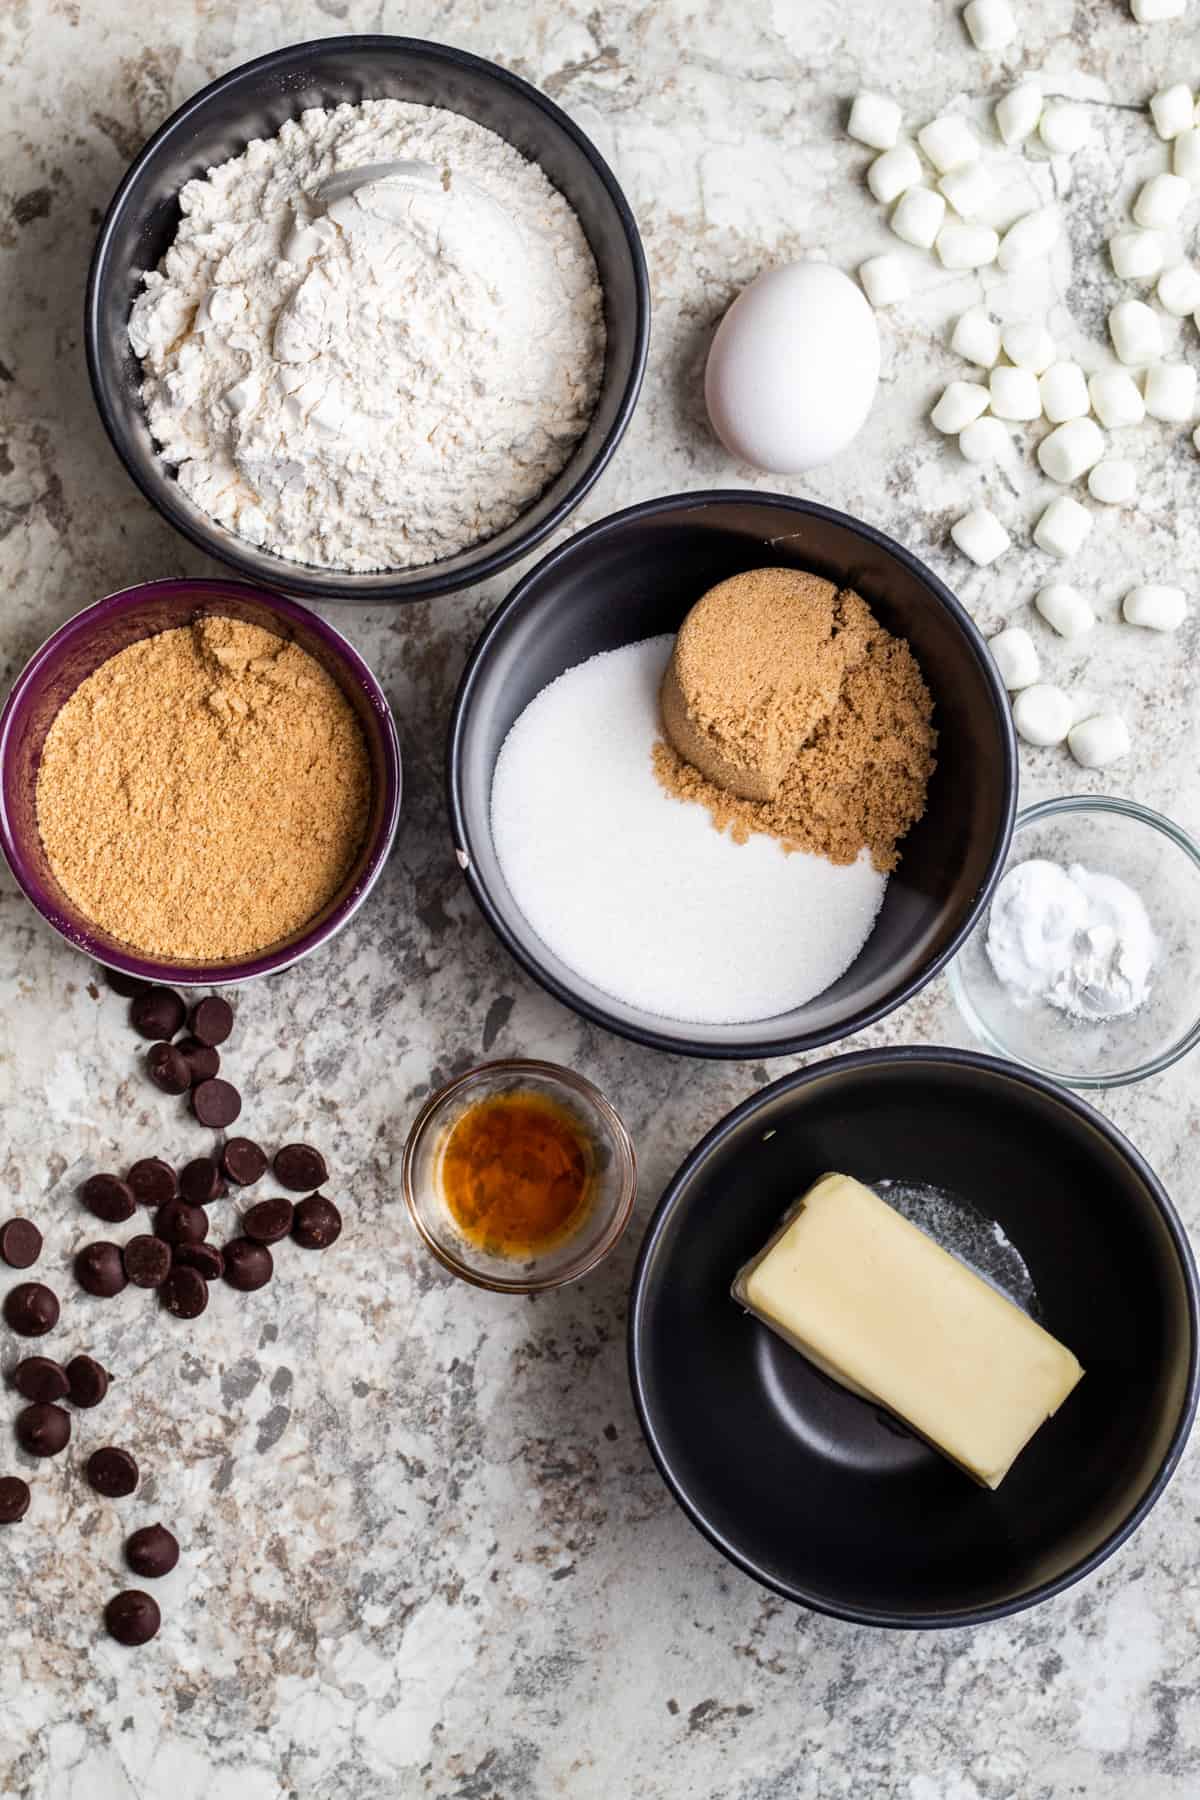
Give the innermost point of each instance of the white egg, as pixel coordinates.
(793, 368)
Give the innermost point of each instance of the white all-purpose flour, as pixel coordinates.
(382, 380)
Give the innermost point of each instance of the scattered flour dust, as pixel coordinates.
(633, 889)
(379, 379)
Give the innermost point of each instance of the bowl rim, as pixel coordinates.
(991, 1066)
(654, 1037)
(315, 583)
(1032, 815)
(550, 1073)
(181, 589)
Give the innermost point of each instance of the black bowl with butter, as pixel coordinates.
(637, 574)
(819, 1494)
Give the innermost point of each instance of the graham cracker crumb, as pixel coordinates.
(857, 777)
(204, 793)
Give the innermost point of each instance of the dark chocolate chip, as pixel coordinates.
(147, 1260)
(168, 1068)
(211, 1020)
(247, 1265)
(132, 1618)
(153, 1181)
(153, 1551)
(31, 1309)
(43, 1430)
(110, 1198)
(89, 1382)
(200, 1181)
(40, 1378)
(20, 1243)
(99, 1270)
(300, 1167)
(268, 1220)
(157, 1012)
(216, 1103)
(185, 1292)
(112, 1472)
(180, 1223)
(14, 1499)
(202, 1060)
(317, 1223)
(243, 1161)
(121, 983)
(206, 1259)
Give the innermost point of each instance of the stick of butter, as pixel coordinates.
(892, 1316)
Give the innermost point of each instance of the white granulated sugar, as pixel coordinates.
(634, 890)
(382, 379)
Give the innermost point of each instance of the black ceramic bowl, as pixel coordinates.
(636, 574)
(254, 101)
(816, 1493)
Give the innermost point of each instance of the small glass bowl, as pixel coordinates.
(1162, 864)
(612, 1201)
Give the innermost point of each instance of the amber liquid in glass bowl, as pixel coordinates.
(516, 1173)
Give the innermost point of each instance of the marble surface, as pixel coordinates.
(424, 1549)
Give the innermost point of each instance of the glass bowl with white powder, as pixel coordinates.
(1086, 966)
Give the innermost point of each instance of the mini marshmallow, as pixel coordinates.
(1030, 238)
(891, 174)
(1064, 128)
(1179, 290)
(1042, 714)
(1161, 200)
(884, 280)
(980, 535)
(985, 441)
(1028, 346)
(1018, 112)
(1149, 12)
(1136, 332)
(977, 337)
(1062, 528)
(990, 23)
(963, 246)
(1155, 608)
(968, 190)
(1173, 110)
(1098, 741)
(1171, 392)
(1064, 393)
(1016, 658)
(1071, 450)
(1137, 255)
(962, 402)
(874, 121)
(949, 143)
(1185, 155)
(918, 217)
(1015, 394)
(1116, 398)
(1113, 482)
(1065, 609)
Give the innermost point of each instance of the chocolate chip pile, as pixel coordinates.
(174, 1259)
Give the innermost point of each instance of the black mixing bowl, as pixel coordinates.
(815, 1492)
(254, 101)
(635, 575)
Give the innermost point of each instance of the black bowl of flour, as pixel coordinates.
(254, 101)
(636, 575)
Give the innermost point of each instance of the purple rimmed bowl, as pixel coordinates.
(99, 632)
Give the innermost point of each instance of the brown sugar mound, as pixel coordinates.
(757, 664)
(204, 792)
(858, 779)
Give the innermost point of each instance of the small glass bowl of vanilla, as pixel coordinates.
(1160, 864)
(519, 1176)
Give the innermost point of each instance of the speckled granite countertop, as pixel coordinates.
(425, 1551)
